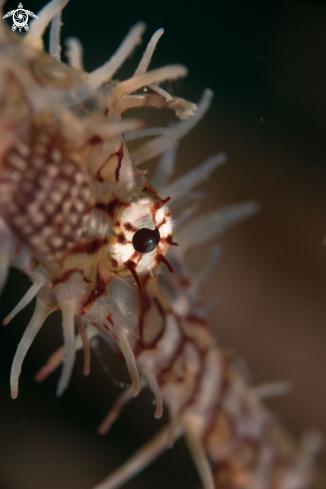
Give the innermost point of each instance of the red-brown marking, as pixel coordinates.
(114, 263)
(119, 153)
(192, 318)
(213, 415)
(97, 292)
(118, 224)
(35, 265)
(66, 276)
(129, 227)
(95, 140)
(185, 282)
(160, 224)
(121, 238)
(106, 111)
(170, 242)
(109, 318)
(158, 204)
(90, 247)
(161, 259)
(111, 208)
(18, 250)
(132, 267)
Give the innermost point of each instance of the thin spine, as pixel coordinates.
(153, 384)
(115, 411)
(146, 59)
(147, 56)
(161, 92)
(41, 312)
(272, 389)
(207, 227)
(141, 459)
(55, 360)
(55, 29)
(74, 53)
(106, 71)
(68, 309)
(83, 335)
(144, 133)
(204, 273)
(183, 185)
(165, 168)
(34, 36)
(4, 268)
(200, 460)
(129, 356)
(30, 294)
(170, 72)
(158, 145)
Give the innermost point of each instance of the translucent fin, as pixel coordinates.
(68, 309)
(147, 56)
(152, 382)
(130, 361)
(143, 457)
(201, 277)
(115, 411)
(30, 294)
(159, 145)
(207, 309)
(41, 312)
(87, 352)
(182, 186)
(74, 53)
(149, 131)
(4, 268)
(106, 71)
(165, 168)
(196, 195)
(55, 360)
(209, 226)
(273, 389)
(55, 29)
(45, 15)
(185, 215)
(200, 460)
(170, 72)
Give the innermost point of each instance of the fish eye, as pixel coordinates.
(146, 240)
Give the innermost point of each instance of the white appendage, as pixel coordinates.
(55, 29)
(41, 312)
(34, 37)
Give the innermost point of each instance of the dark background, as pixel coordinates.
(265, 62)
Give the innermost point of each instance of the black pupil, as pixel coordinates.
(146, 240)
